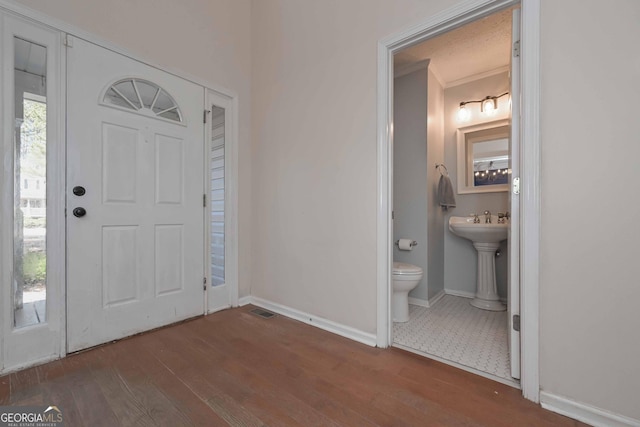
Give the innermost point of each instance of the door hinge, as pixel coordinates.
(204, 116)
(516, 185)
(204, 284)
(68, 40)
(516, 49)
(516, 322)
(204, 200)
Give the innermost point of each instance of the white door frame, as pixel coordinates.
(58, 189)
(458, 15)
(45, 341)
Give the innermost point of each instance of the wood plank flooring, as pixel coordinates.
(235, 368)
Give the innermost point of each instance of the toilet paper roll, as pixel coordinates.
(405, 244)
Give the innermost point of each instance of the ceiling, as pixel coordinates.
(478, 47)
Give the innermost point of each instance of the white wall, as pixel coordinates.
(208, 39)
(314, 146)
(461, 259)
(410, 183)
(590, 274)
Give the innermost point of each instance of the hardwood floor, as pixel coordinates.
(235, 368)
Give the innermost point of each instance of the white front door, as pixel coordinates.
(135, 186)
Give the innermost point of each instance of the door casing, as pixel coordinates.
(529, 163)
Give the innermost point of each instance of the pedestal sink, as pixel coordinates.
(486, 239)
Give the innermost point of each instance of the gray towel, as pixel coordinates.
(445, 193)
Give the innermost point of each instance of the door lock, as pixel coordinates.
(79, 212)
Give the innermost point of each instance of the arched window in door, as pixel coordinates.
(143, 97)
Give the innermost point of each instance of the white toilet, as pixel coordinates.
(405, 277)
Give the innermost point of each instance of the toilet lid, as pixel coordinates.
(404, 268)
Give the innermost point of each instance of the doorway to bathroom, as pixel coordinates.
(452, 97)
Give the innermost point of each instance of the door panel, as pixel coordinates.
(514, 201)
(135, 260)
(31, 208)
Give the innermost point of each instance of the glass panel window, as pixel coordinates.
(216, 171)
(30, 170)
(144, 97)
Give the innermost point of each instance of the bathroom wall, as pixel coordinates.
(417, 147)
(459, 254)
(435, 213)
(410, 175)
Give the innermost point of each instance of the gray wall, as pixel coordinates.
(410, 189)
(418, 146)
(435, 214)
(459, 254)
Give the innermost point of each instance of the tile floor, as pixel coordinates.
(456, 331)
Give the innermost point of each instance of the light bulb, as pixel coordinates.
(489, 105)
(463, 113)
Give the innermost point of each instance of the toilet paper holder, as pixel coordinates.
(414, 243)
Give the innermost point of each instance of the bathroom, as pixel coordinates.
(431, 81)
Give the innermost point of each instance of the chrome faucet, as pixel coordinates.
(487, 217)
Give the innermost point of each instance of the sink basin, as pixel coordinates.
(486, 239)
(479, 233)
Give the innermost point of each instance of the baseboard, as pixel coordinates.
(419, 302)
(463, 294)
(319, 322)
(586, 413)
(437, 297)
(244, 301)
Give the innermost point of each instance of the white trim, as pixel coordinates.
(244, 301)
(464, 12)
(530, 199)
(313, 320)
(586, 413)
(437, 297)
(474, 77)
(419, 302)
(463, 294)
(58, 25)
(427, 303)
(467, 294)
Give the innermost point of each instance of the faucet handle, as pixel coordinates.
(476, 220)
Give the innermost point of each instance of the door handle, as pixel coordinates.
(79, 190)
(79, 212)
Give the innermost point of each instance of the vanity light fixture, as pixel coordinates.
(488, 105)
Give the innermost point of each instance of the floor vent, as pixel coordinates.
(263, 313)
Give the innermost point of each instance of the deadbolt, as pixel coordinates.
(79, 191)
(79, 212)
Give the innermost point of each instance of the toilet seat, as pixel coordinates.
(404, 269)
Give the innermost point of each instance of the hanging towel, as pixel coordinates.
(445, 193)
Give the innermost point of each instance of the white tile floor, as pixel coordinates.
(456, 331)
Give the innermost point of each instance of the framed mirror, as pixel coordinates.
(483, 157)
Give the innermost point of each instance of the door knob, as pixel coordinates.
(79, 190)
(79, 212)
